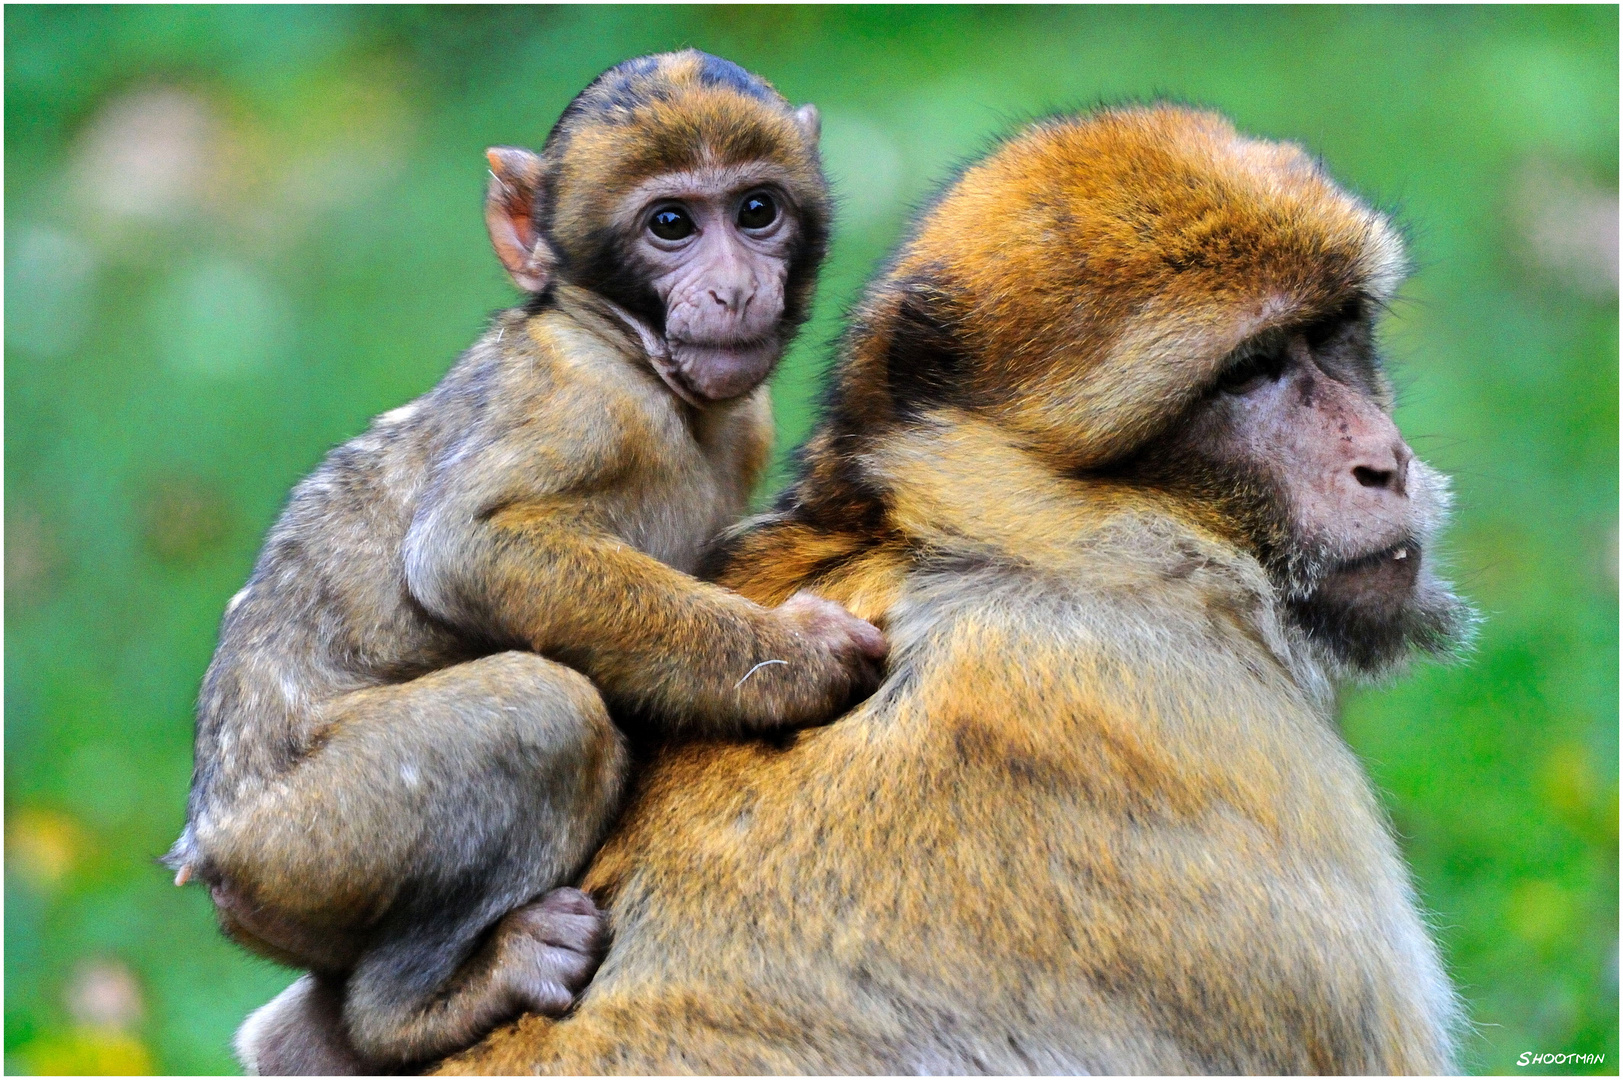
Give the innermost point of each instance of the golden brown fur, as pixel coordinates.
(1098, 817)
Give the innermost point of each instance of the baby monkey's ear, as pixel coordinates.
(511, 210)
(810, 122)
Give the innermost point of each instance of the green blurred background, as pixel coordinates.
(233, 235)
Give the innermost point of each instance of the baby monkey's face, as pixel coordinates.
(717, 244)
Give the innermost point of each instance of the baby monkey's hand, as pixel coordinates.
(826, 661)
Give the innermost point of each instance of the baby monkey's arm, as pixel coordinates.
(684, 653)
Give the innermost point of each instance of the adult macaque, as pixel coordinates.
(405, 743)
(1108, 455)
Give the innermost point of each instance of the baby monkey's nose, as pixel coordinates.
(734, 298)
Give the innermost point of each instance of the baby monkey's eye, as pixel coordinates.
(757, 211)
(671, 223)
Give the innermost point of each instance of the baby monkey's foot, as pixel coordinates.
(549, 949)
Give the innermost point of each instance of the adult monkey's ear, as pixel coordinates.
(810, 121)
(510, 213)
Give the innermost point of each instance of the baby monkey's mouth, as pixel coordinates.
(723, 345)
(721, 370)
(701, 372)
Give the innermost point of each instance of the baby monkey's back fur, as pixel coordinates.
(408, 730)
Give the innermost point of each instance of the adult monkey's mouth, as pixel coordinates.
(1389, 574)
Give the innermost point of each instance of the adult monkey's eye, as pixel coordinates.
(671, 223)
(1252, 371)
(757, 211)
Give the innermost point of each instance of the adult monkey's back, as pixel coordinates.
(1109, 457)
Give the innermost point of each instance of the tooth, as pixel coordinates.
(1401, 553)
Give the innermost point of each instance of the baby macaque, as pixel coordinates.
(407, 742)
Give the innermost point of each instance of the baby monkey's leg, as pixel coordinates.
(300, 1033)
(440, 808)
(536, 960)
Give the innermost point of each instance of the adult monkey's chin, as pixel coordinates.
(1368, 615)
(1383, 580)
(724, 372)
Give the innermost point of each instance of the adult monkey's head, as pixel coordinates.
(1144, 297)
(687, 192)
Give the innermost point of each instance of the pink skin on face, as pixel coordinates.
(717, 246)
(1342, 463)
